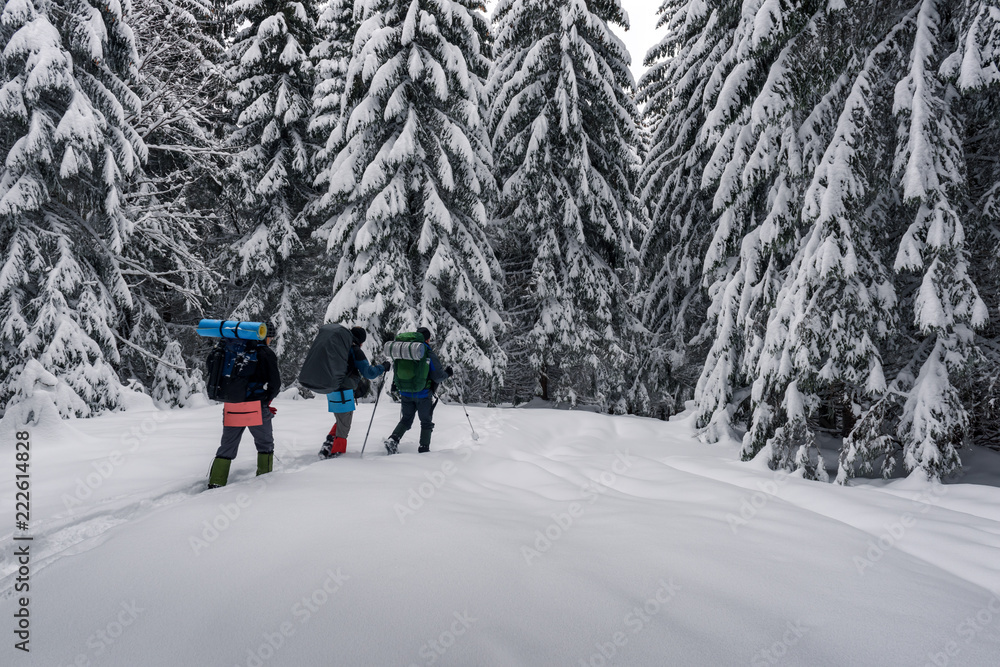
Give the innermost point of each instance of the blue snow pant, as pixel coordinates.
(411, 407)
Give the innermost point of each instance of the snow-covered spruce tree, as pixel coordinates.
(925, 403)
(840, 142)
(68, 147)
(676, 101)
(272, 80)
(174, 199)
(836, 303)
(173, 384)
(755, 156)
(947, 304)
(337, 27)
(563, 124)
(408, 193)
(978, 79)
(819, 361)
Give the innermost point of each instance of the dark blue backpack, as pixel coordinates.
(231, 364)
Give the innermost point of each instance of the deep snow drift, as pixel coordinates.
(559, 538)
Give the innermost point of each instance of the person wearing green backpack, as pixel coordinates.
(416, 380)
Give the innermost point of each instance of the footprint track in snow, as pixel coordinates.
(63, 536)
(68, 535)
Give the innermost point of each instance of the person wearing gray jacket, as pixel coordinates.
(334, 366)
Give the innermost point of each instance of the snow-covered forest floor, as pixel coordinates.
(557, 538)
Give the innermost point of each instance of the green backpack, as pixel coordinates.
(411, 362)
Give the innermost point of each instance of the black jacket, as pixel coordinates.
(266, 377)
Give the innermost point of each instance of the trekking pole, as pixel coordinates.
(377, 396)
(461, 399)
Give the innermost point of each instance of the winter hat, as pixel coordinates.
(425, 332)
(360, 335)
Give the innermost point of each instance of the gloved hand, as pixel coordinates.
(448, 371)
(386, 366)
(273, 411)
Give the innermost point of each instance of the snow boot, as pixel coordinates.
(326, 451)
(219, 474)
(265, 463)
(391, 445)
(425, 441)
(333, 447)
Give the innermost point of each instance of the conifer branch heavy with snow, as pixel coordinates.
(272, 81)
(828, 199)
(407, 196)
(564, 131)
(174, 198)
(69, 146)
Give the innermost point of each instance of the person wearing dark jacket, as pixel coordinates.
(357, 367)
(419, 403)
(265, 383)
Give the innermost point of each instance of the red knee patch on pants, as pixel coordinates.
(339, 446)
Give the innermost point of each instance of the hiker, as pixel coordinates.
(264, 383)
(336, 366)
(416, 386)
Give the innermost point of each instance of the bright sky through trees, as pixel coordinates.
(640, 37)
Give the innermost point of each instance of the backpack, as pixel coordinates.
(230, 364)
(327, 364)
(411, 362)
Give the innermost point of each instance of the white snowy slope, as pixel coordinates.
(559, 538)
